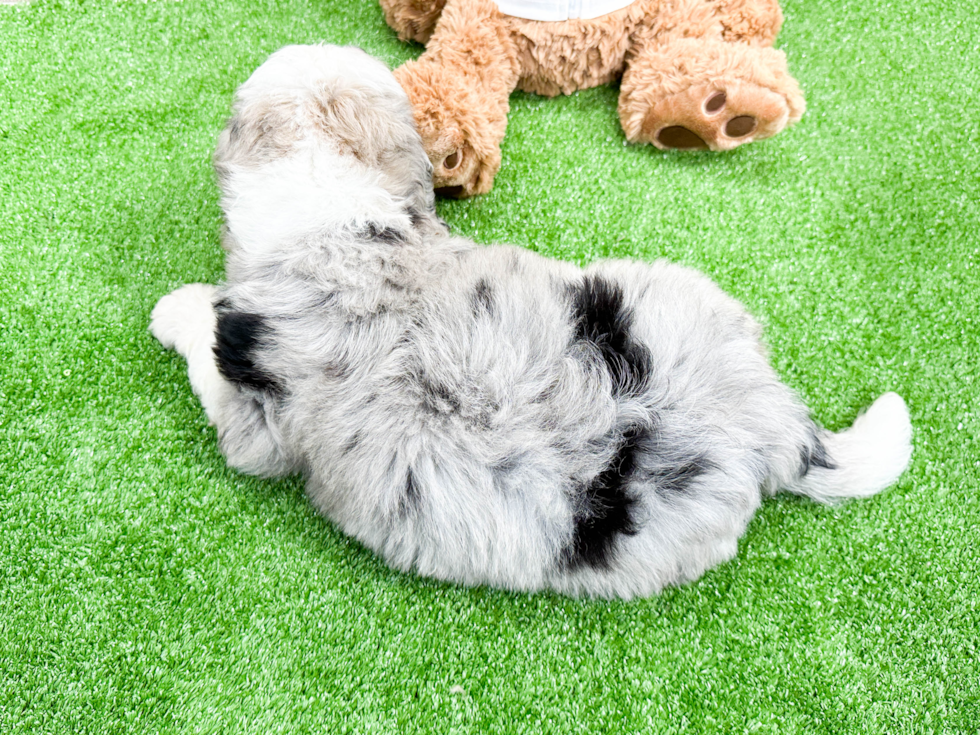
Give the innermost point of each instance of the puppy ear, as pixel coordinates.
(258, 132)
(380, 134)
(361, 127)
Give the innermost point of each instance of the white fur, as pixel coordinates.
(870, 456)
(184, 321)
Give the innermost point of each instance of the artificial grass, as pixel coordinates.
(146, 588)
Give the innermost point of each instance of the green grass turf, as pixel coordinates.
(146, 588)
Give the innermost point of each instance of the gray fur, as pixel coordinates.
(455, 407)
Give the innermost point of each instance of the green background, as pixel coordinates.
(146, 588)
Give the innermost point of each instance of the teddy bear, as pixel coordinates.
(695, 74)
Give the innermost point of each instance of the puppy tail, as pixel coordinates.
(859, 461)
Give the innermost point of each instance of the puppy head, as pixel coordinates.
(337, 117)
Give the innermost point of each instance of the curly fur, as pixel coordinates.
(480, 414)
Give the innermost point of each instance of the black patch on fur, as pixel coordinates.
(386, 235)
(677, 480)
(237, 337)
(603, 320)
(607, 507)
(352, 443)
(547, 393)
(411, 497)
(815, 455)
(437, 398)
(394, 285)
(412, 494)
(325, 300)
(337, 370)
(506, 465)
(483, 299)
(417, 217)
(502, 472)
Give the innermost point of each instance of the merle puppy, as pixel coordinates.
(481, 414)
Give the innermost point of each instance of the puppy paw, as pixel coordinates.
(184, 318)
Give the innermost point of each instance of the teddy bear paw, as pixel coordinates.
(716, 116)
(455, 171)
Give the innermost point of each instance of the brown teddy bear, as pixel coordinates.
(696, 74)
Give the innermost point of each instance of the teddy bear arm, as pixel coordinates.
(459, 90)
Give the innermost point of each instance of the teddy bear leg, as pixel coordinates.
(697, 94)
(412, 20)
(460, 90)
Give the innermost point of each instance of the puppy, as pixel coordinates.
(481, 414)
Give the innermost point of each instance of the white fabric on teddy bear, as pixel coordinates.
(552, 10)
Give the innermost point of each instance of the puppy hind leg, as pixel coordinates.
(185, 320)
(250, 441)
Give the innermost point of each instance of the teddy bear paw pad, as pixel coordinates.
(706, 117)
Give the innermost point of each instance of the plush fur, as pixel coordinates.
(696, 74)
(480, 414)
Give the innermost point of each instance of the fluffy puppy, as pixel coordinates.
(481, 414)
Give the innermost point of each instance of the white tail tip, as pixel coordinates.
(866, 458)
